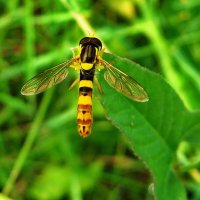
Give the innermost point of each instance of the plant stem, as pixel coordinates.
(28, 143)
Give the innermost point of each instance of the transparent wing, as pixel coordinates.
(124, 83)
(46, 79)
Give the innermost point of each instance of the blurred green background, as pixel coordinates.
(41, 153)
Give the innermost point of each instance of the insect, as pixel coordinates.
(88, 59)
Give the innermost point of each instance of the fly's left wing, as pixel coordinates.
(124, 83)
(46, 79)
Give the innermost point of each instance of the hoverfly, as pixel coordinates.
(86, 62)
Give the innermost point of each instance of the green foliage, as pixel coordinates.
(155, 129)
(41, 154)
(59, 180)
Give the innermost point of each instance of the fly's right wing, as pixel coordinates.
(124, 83)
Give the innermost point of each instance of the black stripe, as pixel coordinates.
(85, 90)
(87, 75)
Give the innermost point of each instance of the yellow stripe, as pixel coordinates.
(85, 100)
(86, 66)
(86, 83)
(84, 117)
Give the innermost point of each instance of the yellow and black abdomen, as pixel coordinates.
(88, 60)
(84, 117)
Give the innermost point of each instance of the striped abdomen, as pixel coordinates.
(84, 117)
(88, 59)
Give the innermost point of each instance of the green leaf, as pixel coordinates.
(154, 128)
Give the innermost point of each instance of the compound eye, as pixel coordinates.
(84, 40)
(97, 43)
(91, 41)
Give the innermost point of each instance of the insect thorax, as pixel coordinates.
(88, 54)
